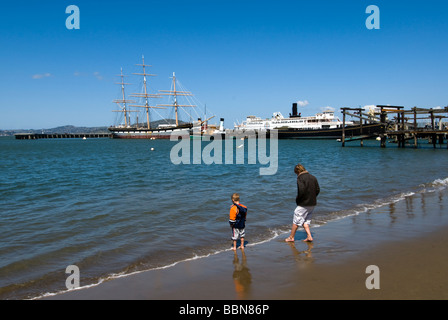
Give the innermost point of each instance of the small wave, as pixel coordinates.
(438, 184)
(274, 233)
(363, 208)
(125, 274)
(443, 182)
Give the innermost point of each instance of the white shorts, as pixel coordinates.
(238, 233)
(302, 215)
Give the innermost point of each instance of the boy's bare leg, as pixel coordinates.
(234, 245)
(242, 244)
(293, 232)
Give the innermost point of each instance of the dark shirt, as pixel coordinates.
(307, 190)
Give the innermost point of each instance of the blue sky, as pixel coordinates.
(238, 57)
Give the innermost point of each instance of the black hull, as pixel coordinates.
(130, 133)
(371, 130)
(350, 131)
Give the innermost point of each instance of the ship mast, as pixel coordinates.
(146, 95)
(175, 94)
(122, 102)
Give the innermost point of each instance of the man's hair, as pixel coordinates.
(299, 169)
(235, 197)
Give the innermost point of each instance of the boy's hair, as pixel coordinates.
(235, 197)
(299, 168)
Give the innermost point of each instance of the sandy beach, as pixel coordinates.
(408, 249)
(408, 270)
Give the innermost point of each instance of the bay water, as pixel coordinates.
(115, 207)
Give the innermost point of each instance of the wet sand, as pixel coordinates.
(408, 246)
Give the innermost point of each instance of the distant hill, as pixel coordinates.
(73, 129)
(61, 129)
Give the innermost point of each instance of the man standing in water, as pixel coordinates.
(307, 191)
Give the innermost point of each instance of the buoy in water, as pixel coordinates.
(152, 149)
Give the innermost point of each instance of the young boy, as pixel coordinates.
(237, 220)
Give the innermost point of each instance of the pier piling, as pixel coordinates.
(364, 119)
(402, 125)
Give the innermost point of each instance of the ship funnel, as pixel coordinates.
(221, 124)
(294, 109)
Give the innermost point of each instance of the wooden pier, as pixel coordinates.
(401, 126)
(34, 136)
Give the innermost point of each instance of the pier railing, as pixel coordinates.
(34, 136)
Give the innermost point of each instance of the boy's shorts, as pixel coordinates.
(302, 215)
(238, 233)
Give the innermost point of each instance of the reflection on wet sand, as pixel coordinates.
(242, 278)
(303, 257)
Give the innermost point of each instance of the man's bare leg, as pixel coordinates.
(293, 232)
(309, 238)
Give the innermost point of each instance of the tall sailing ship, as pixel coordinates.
(161, 129)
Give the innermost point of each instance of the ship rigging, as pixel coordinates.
(154, 129)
